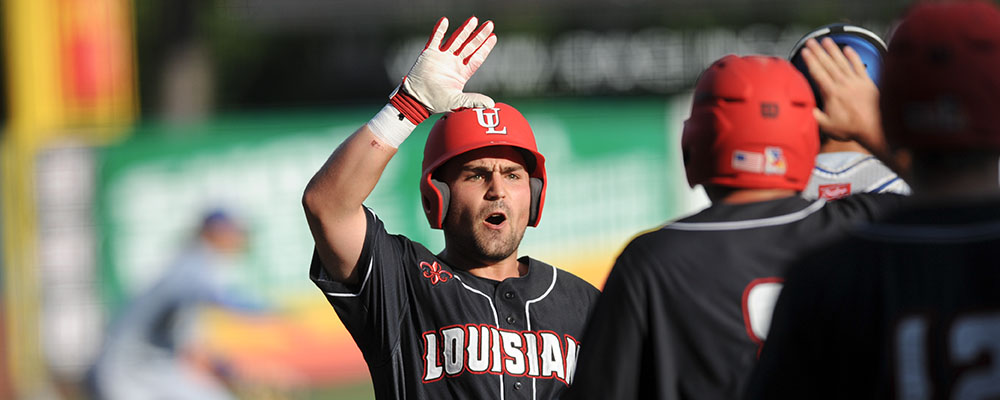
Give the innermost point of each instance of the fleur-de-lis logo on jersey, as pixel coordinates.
(434, 272)
(490, 120)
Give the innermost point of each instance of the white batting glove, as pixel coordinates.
(438, 77)
(436, 80)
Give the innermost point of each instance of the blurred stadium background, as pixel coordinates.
(124, 121)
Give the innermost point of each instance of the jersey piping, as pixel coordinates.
(527, 315)
(496, 319)
(883, 186)
(363, 283)
(848, 168)
(750, 223)
(528, 303)
(371, 261)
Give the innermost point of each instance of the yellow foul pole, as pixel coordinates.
(69, 74)
(33, 96)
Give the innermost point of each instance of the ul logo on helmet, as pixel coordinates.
(490, 120)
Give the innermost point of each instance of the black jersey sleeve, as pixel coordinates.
(615, 339)
(372, 309)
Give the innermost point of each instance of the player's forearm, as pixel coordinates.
(347, 178)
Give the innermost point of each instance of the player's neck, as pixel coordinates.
(509, 267)
(726, 195)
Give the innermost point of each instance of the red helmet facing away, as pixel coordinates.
(751, 126)
(470, 129)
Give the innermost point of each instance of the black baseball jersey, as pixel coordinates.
(908, 309)
(686, 307)
(431, 331)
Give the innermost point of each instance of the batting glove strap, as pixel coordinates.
(408, 106)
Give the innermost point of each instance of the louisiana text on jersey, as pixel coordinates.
(482, 348)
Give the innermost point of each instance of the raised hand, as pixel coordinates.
(850, 97)
(437, 79)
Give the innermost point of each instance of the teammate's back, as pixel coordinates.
(901, 309)
(709, 281)
(686, 307)
(909, 307)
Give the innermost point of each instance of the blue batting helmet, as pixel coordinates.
(868, 45)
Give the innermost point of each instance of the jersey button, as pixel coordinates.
(510, 319)
(517, 385)
(509, 295)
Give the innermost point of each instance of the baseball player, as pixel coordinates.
(149, 351)
(908, 308)
(843, 167)
(474, 321)
(686, 307)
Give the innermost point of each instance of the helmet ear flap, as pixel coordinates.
(536, 198)
(445, 197)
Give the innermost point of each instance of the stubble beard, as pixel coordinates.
(494, 245)
(487, 244)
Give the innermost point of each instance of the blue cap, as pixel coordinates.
(216, 216)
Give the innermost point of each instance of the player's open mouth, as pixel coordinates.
(495, 220)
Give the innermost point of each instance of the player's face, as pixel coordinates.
(490, 202)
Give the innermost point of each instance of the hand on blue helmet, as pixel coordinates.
(850, 97)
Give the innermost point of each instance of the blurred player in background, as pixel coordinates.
(686, 307)
(845, 167)
(474, 321)
(149, 352)
(909, 308)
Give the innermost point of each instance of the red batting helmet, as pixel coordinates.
(751, 126)
(942, 83)
(470, 129)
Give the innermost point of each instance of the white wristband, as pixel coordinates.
(389, 126)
